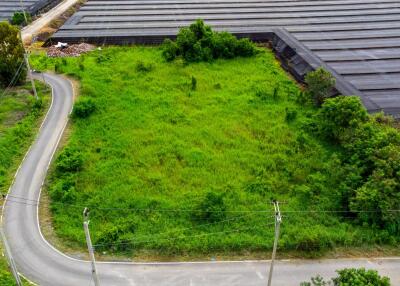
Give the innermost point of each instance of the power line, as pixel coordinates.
(36, 202)
(195, 227)
(13, 80)
(132, 241)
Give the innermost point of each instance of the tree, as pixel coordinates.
(320, 84)
(11, 56)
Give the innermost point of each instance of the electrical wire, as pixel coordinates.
(200, 225)
(13, 80)
(36, 202)
(134, 241)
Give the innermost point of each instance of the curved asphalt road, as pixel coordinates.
(43, 264)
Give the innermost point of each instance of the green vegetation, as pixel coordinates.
(20, 117)
(320, 85)
(351, 277)
(21, 19)
(12, 69)
(199, 43)
(180, 158)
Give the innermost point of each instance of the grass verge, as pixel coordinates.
(20, 118)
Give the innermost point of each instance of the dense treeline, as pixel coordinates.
(370, 161)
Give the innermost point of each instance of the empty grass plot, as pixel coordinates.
(176, 158)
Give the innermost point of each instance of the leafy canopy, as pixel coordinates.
(199, 43)
(11, 55)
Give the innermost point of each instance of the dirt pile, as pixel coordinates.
(70, 51)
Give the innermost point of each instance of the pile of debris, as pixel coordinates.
(65, 50)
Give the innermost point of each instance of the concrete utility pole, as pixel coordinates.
(26, 57)
(30, 75)
(10, 259)
(90, 247)
(278, 220)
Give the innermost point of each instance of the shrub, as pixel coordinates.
(340, 114)
(199, 43)
(70, 160)
(170, 50)
(19, 19)
(371, 154)
(143, 67)
(245, 48)
(194, 83)
(360, 277)
(212, 208)
(320, 84)
(83, 108)
(291, 114)
(64, 190)
(351, 277)
(11, 56)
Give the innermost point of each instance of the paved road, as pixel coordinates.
(45, 19)
(43, 264)
(9, 7)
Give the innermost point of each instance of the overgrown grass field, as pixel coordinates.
(185, 159)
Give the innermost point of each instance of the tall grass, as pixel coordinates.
(173, 169)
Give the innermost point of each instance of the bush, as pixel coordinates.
(170, 50)
(211, 209)
(199, 43)
(320, 84)
(291, 114)
(19, 19)
(144, 67)
(351, 277)
(11, 56)
(70, 160)
(83, 108)
(341, 114)
(360, 277)
(194, 83)
(371, 153)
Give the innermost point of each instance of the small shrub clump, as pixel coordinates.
(351, 277)
(211, 209)
(83, 108)
(199, 43)
(70, 160)
(21, 19)
(320, 84)
(144, 67)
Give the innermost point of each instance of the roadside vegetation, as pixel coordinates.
(351, 277)
(20, 118)
(12, 68)
(183, 155)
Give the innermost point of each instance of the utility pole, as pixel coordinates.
(10, 259)
(90, 247)
(278, 220)
(23, 11)
(30, 74)
(26, 57)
